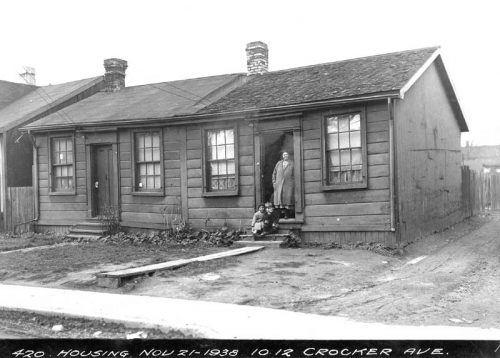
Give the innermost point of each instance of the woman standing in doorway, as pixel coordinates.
(283, 184)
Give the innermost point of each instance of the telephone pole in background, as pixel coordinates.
(29, 75)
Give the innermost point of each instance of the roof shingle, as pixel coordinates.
(149, 101)
(348, 78)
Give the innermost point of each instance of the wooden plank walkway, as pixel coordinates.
(115, 279)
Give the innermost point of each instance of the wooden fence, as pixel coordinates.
(480, 191)
(19, 212)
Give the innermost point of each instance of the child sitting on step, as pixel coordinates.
(271, 219)
(258, 221)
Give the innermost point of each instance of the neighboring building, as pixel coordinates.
(19, 105)
(375, 143)
(482, 157)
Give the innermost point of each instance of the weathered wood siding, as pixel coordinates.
(19, 213)
(428, 156)
(348, 210)
(62, 209)
(152, 211)
(236, 211)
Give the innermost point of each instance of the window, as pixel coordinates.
(221, 165)
(62, 176)
(345, 152)
(148, 163)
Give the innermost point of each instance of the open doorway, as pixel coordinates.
(273, 145)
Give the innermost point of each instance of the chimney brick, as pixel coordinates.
(114, 76)
(257, 58)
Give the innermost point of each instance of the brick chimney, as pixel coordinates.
(257, 58)
(114, 77)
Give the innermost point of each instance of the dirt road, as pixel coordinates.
(450, 278)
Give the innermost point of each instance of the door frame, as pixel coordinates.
(261, 129)
(92, 141)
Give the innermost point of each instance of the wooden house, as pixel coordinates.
(21, 104)
(375, 143)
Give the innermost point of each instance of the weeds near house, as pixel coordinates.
(292, 240)
(110, 219)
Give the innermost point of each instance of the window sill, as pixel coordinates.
(148, 193)
(220, 193)
(363, 185)
(58, 193)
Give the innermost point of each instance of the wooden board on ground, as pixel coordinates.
(114, 279)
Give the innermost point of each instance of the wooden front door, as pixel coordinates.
(102, 179)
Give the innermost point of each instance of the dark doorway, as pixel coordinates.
(102, 179)
(273, 144)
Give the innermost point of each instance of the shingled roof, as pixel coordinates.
(145, 102)
(40, 100)
(11, 91)
(355, 79)
(343, 79)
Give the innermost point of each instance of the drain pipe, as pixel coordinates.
(392, 184)
(36, 191)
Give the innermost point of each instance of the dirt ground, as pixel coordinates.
(449, 278)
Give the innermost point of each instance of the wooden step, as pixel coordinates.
(266, 243)
(115, 279)
(83, 236)
(88, 231)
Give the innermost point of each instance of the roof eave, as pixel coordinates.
(450, 90)
(419, 73)
(240, 114)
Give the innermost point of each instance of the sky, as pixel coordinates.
(163, 40)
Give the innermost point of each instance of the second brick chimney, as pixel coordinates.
(257, 58)
(114, 77)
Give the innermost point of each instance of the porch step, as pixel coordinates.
(83, 236)
(265, 243)
(268, 237)
(92, 230)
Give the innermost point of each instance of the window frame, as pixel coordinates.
(206, 192)
(154, 192)
(52, 190)
(325, 185)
